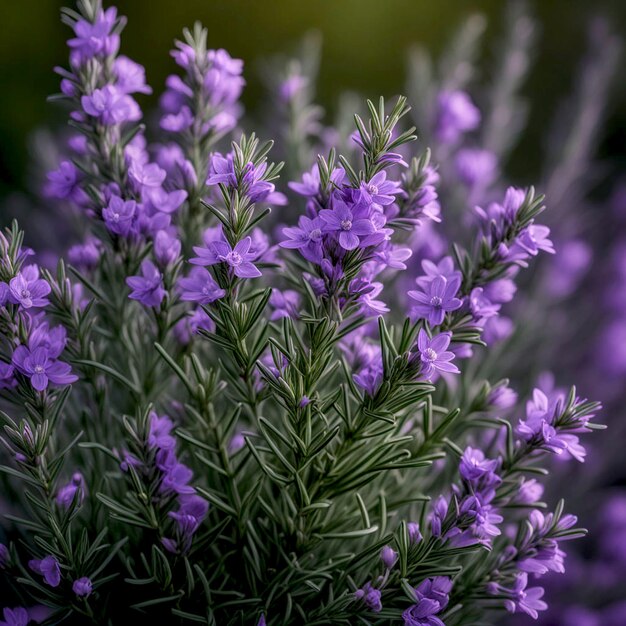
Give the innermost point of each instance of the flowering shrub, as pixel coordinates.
(225, 423)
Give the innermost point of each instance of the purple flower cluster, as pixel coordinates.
(205, 99)
(553, 423)
(432, 597)
(32, 355)
(173, 479)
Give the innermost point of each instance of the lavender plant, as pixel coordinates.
(223, 425)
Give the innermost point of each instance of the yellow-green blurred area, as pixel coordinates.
(364, 49)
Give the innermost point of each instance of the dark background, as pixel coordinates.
(364, 49)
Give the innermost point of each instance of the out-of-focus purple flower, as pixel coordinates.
(74, 491)
(7, 377)
(568, 267)
(111, 106)
(291, 87)
(147, 288)
(200, 287)
(456, 115)
(5, 557)
(17, 616)
(166, 248)
(239, 258)
(82, 587)
(161, 200)
(434, 356)
(432, 270)
(310, 185)
(146, 175)
(284, 303)
(85, 256)
(118, 215)
(502, 397)
(41, 369)
(27, 289)
(476, 168)
(64, 183)
(48, 567)
(497, 329)
(436, 299)
(159, 437)
(530, 491)
(131, 76)
(370, 597)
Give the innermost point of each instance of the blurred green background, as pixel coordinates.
(364, 49)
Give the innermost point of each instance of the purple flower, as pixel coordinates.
(166, 248)
(432, 270)
(523, 599)
(64, 182)
(530, 491)
(27, 289)
(456, 115)
(85, 256)
(388, 556)
(41, 368)
(111, 106)
(159, 437)
(146, 175)
(438, 514)
(94, 38)
(528, 244)
(74, 491)
(52, 339)
(82, 587)
(310, 185)
(437, 299)
(306, 237)
(131, 77)
(47, 567)
(476, 168)
(436, 588)
(475, 468)
(15, 617)
(284, 304)
(422, 614)
(239, 258)
(348, 223)
(200, 287)
(7, 376)
(118, 215)
(370, 597)
(433, 354)
(161, 200)
(379, 191)
(413, 529)
(192, 510)
(147, 288)
(5, 557)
